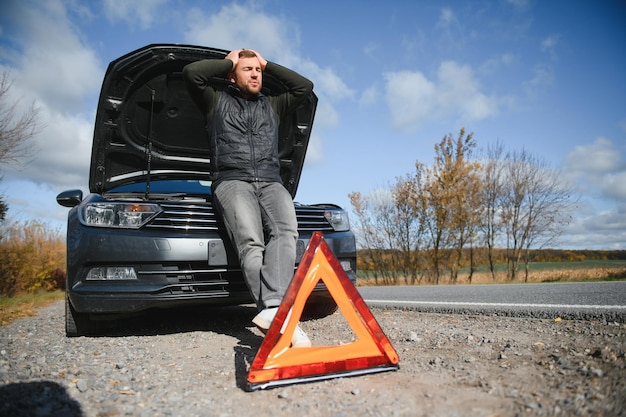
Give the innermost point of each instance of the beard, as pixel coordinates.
(247, 89)
(251, 90)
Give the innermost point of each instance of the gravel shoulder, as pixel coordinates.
(193, 362)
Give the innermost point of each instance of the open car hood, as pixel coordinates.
(148, 127)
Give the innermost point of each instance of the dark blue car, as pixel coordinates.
(147, 235)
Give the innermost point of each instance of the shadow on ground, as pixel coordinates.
(40, 398)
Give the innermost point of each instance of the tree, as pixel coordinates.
(491, 194)
(430, 221)
(16, 128)
(3, 210)
(410, 220)
(452, 191)
(536, 206)
(389, 228)
(16, 131)
(372, 222)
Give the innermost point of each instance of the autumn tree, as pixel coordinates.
(452, 191)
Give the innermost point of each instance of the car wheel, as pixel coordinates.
(318, 310)
(77, 324)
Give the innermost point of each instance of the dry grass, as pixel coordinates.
(13, 308)
(544, 275)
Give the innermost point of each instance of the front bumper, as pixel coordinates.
(171, 271)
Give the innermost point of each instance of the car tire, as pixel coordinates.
(318, 310)
(78, 324)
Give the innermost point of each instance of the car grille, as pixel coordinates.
(202, 217)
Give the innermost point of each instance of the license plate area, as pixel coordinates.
(217, 255)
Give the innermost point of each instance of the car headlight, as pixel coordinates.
(120, 215)
(338, 219)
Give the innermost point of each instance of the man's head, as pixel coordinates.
(247, 74)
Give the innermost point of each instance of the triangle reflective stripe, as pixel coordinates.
(277, 363)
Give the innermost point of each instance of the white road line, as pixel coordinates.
(448, 303)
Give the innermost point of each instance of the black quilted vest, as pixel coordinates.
(243, 139)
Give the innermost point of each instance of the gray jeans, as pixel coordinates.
(261, 221)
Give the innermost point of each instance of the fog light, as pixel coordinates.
(113, 273)
(345, 265)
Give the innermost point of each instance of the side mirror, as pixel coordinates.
(70, 198)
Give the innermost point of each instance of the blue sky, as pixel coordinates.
(393, 80)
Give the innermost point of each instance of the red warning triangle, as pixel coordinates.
(277, 363)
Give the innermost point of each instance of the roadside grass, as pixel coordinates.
(25, 305)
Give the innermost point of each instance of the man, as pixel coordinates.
(258, 211)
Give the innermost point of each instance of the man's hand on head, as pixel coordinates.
(262, 60)
(233, 56)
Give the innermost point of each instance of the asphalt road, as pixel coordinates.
(589, 301)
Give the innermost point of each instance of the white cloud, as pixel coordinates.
(413, 99)
(597, 229)
(52, 68)
(61, 151)
(599, 168)
(51, 64)
(144, 12)
(597, 158)
(327, 82)
(237, 26)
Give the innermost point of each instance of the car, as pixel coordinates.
(147, 235)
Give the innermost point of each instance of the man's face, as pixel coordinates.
(248, 76)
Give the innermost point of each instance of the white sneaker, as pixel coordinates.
(264, 319)
(300, 339)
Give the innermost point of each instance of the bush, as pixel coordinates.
(32, 258)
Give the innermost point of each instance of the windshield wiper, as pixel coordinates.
(153, 196)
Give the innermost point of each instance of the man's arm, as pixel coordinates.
(197, 76)
(298, 87)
